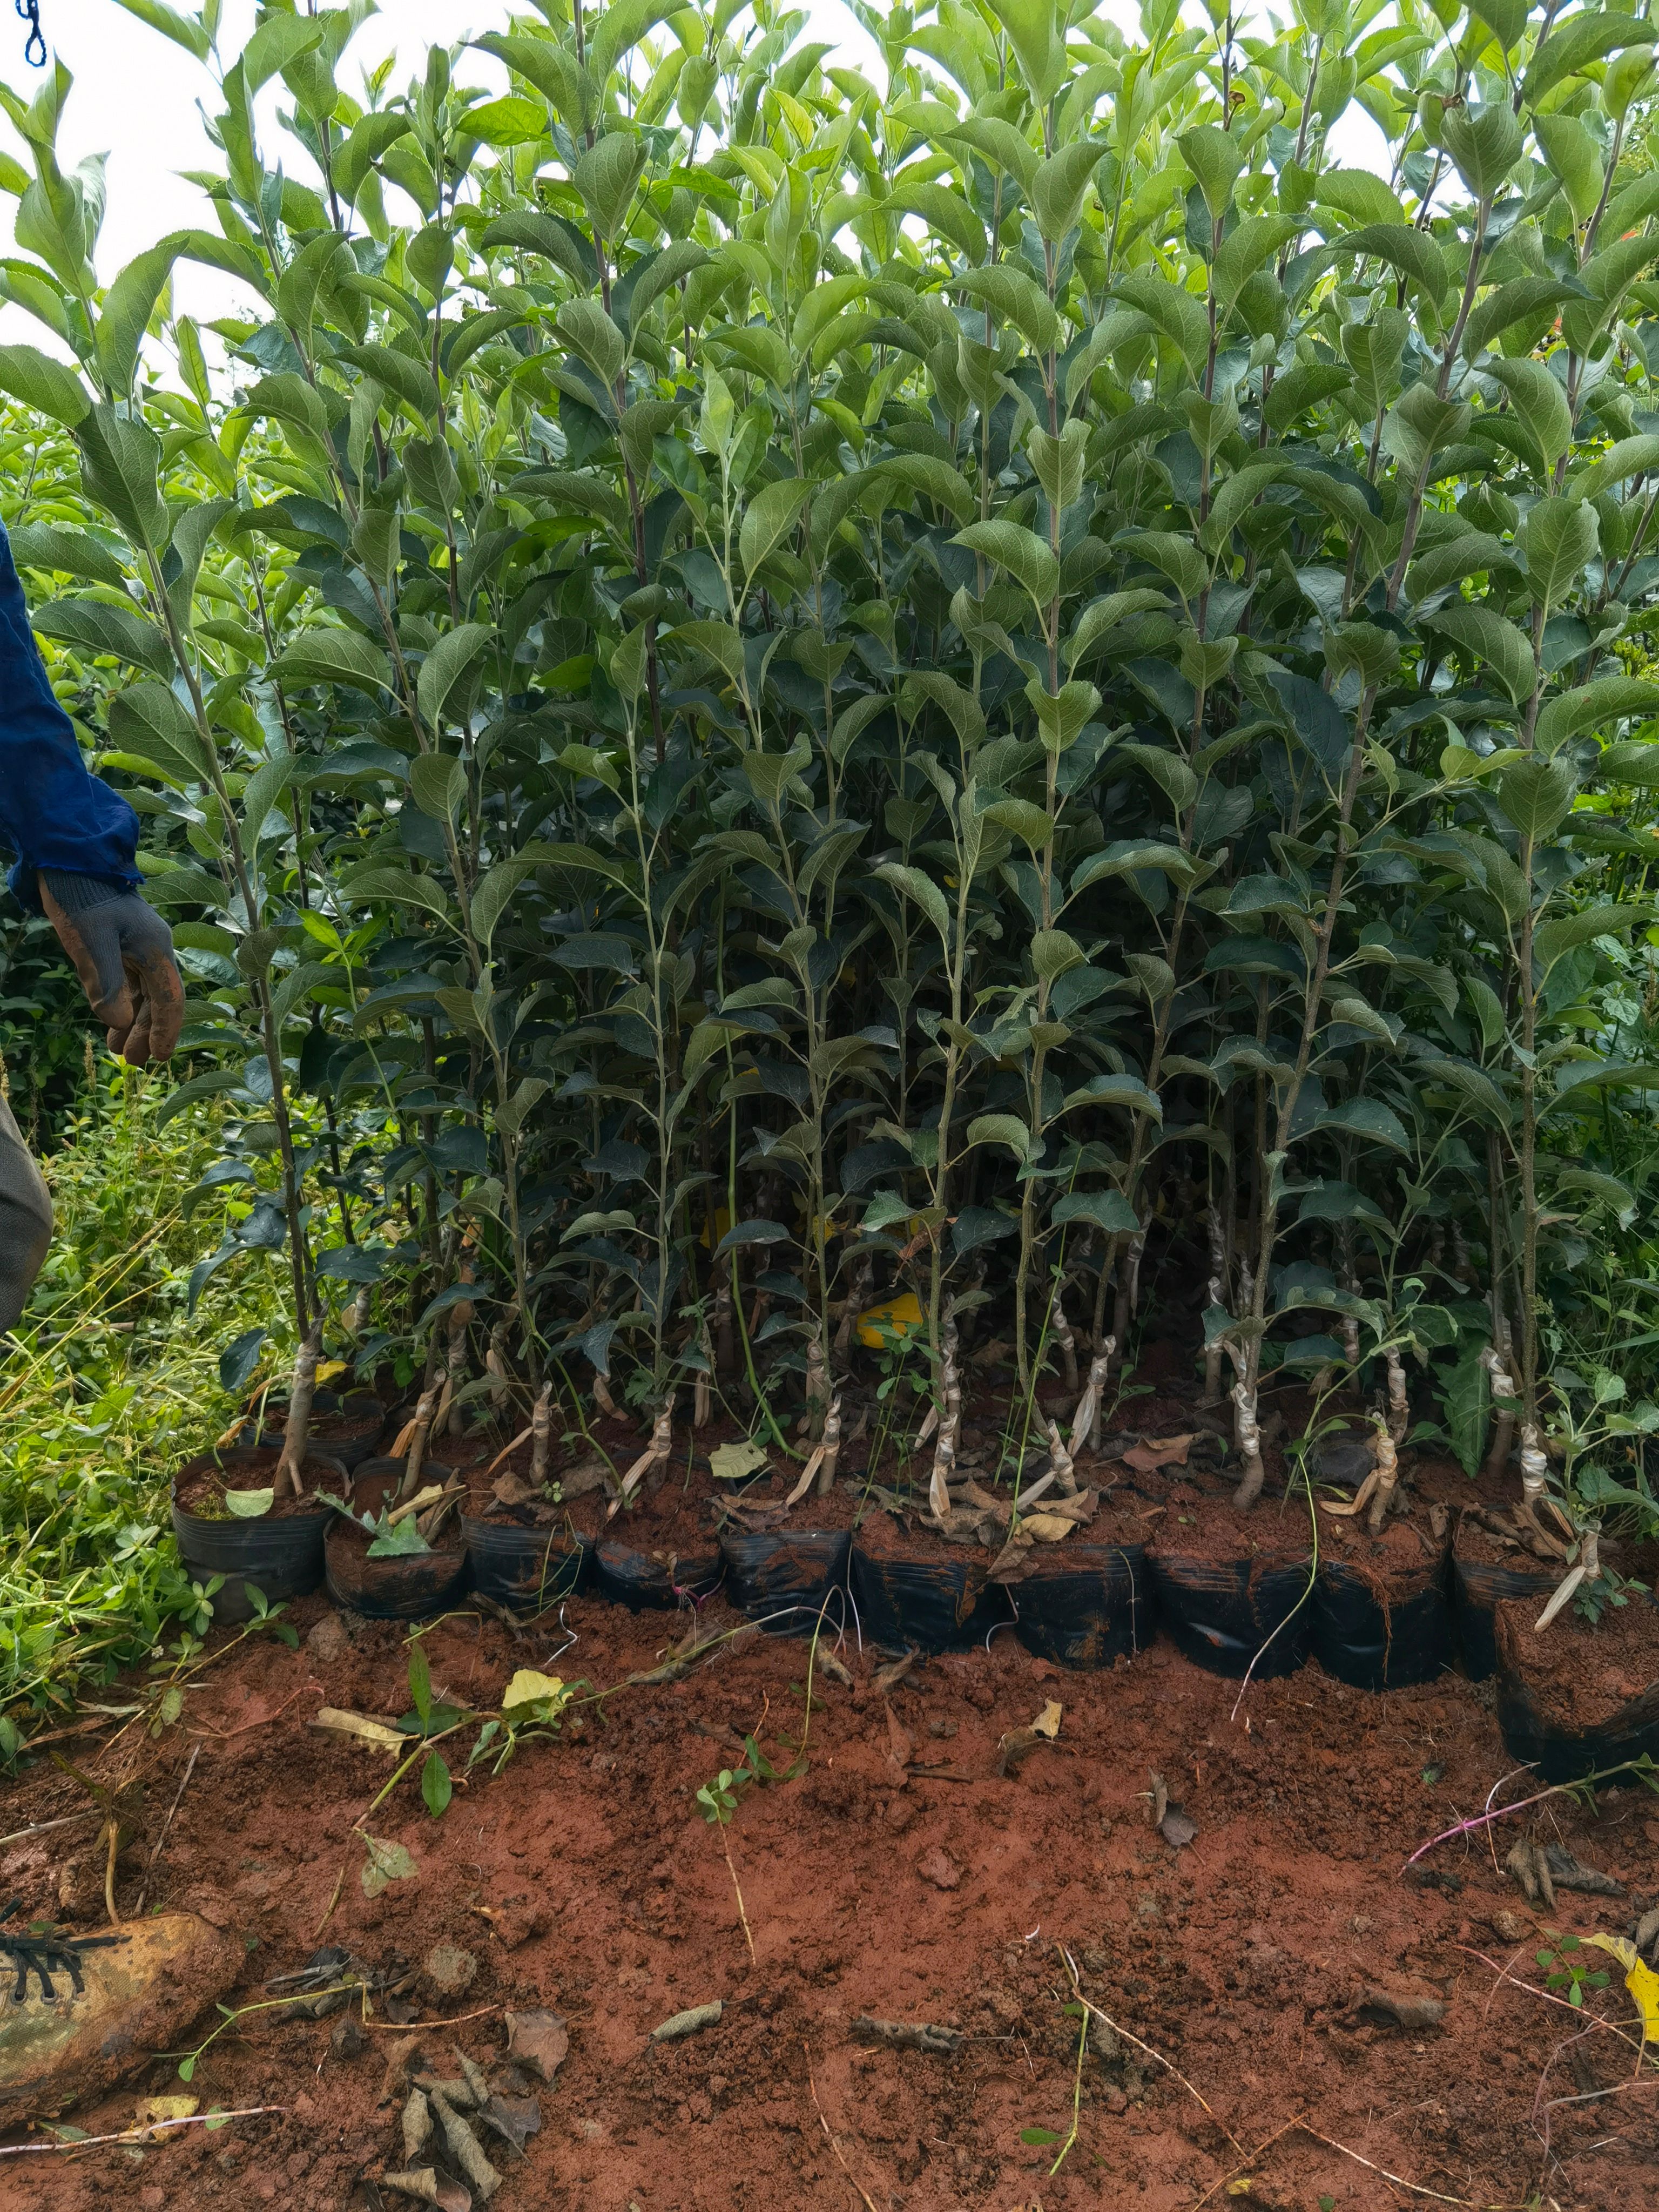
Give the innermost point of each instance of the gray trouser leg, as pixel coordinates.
(24, 1220)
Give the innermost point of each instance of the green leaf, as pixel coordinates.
(1539, 404)
(445, 666)
(332, 655)
(120, 458)
(436, 1787)
(53, 546)
(1536, 795)
(937, 479)
(922, 891)
(737, 1463)
(770, 515)
(605, 177)
(387, 1862)
(93, 627)
(1558, 537)
(1368, 1118)
(249, 1505)
(1107, 1209)
(1000, 1129)
(128, 306)
(1017, 300)
(189, 32)
(1027, 558)
(38, 381)
(1506, 650)
(1584, 38)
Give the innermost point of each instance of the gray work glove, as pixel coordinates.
(123, 954)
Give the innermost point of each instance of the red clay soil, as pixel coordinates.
(1582, 1675)
(582, 1879)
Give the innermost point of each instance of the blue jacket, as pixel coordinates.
(53, 814)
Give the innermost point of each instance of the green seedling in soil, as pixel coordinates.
(718, 1801)
(394, 1531)
(1565, 1970)
(1608, 1589)
(188, 2060)
(1043, 2137)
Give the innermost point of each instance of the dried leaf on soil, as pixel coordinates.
(377, 1733)
(1176, 1828)
(901, 2035)
(152, 2109)
(1152, 1453)
(538, 2039)
(689, 2022)
(387, 1862)
(734, 1462)
(1639, 1980)
(1019, 1743)
(900, 1747)
(424, 2186)
(890, 1676)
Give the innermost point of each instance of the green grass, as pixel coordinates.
(108, 1383)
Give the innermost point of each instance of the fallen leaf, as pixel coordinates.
(510, 1489)
(514, 2119)
(939, 1868)
(890, 1676)
(580, 1482)
(387, 1862)
(733, 1462)
(1019, 1743)
(1176, 1828)
(1639, 1980)
(1047, 1527)
(249, 1505)
(539, 2039)
(835, 1669)
(689, 2022)
(1152, 1453)
(152, 2109)
(366, 1730)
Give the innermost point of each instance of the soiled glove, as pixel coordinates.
(123, 954)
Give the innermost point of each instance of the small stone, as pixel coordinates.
(327, 1641)
(449, 1973)
(939, 1868)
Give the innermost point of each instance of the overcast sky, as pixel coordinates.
(135, 98)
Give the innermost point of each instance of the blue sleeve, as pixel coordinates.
(53, 814)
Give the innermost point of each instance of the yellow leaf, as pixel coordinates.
(1639, 1980)
(1047, 1721)
(330, 1367)
(528, 1687)
(151, 2109)
(366, 1731)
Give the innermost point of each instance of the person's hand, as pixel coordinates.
(123, 954)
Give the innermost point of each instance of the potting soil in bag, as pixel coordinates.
(1560, 1704)
(643, 1580)
(527, 1569)
(1084, 1605)
(929, 1595)
(786, 1578)
(1479, 1587)
(1223, 1614)
(278, 1552)
(1382, 1622)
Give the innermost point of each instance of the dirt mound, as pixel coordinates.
(583, 1880)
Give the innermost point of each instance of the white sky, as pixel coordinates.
(136, 97)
